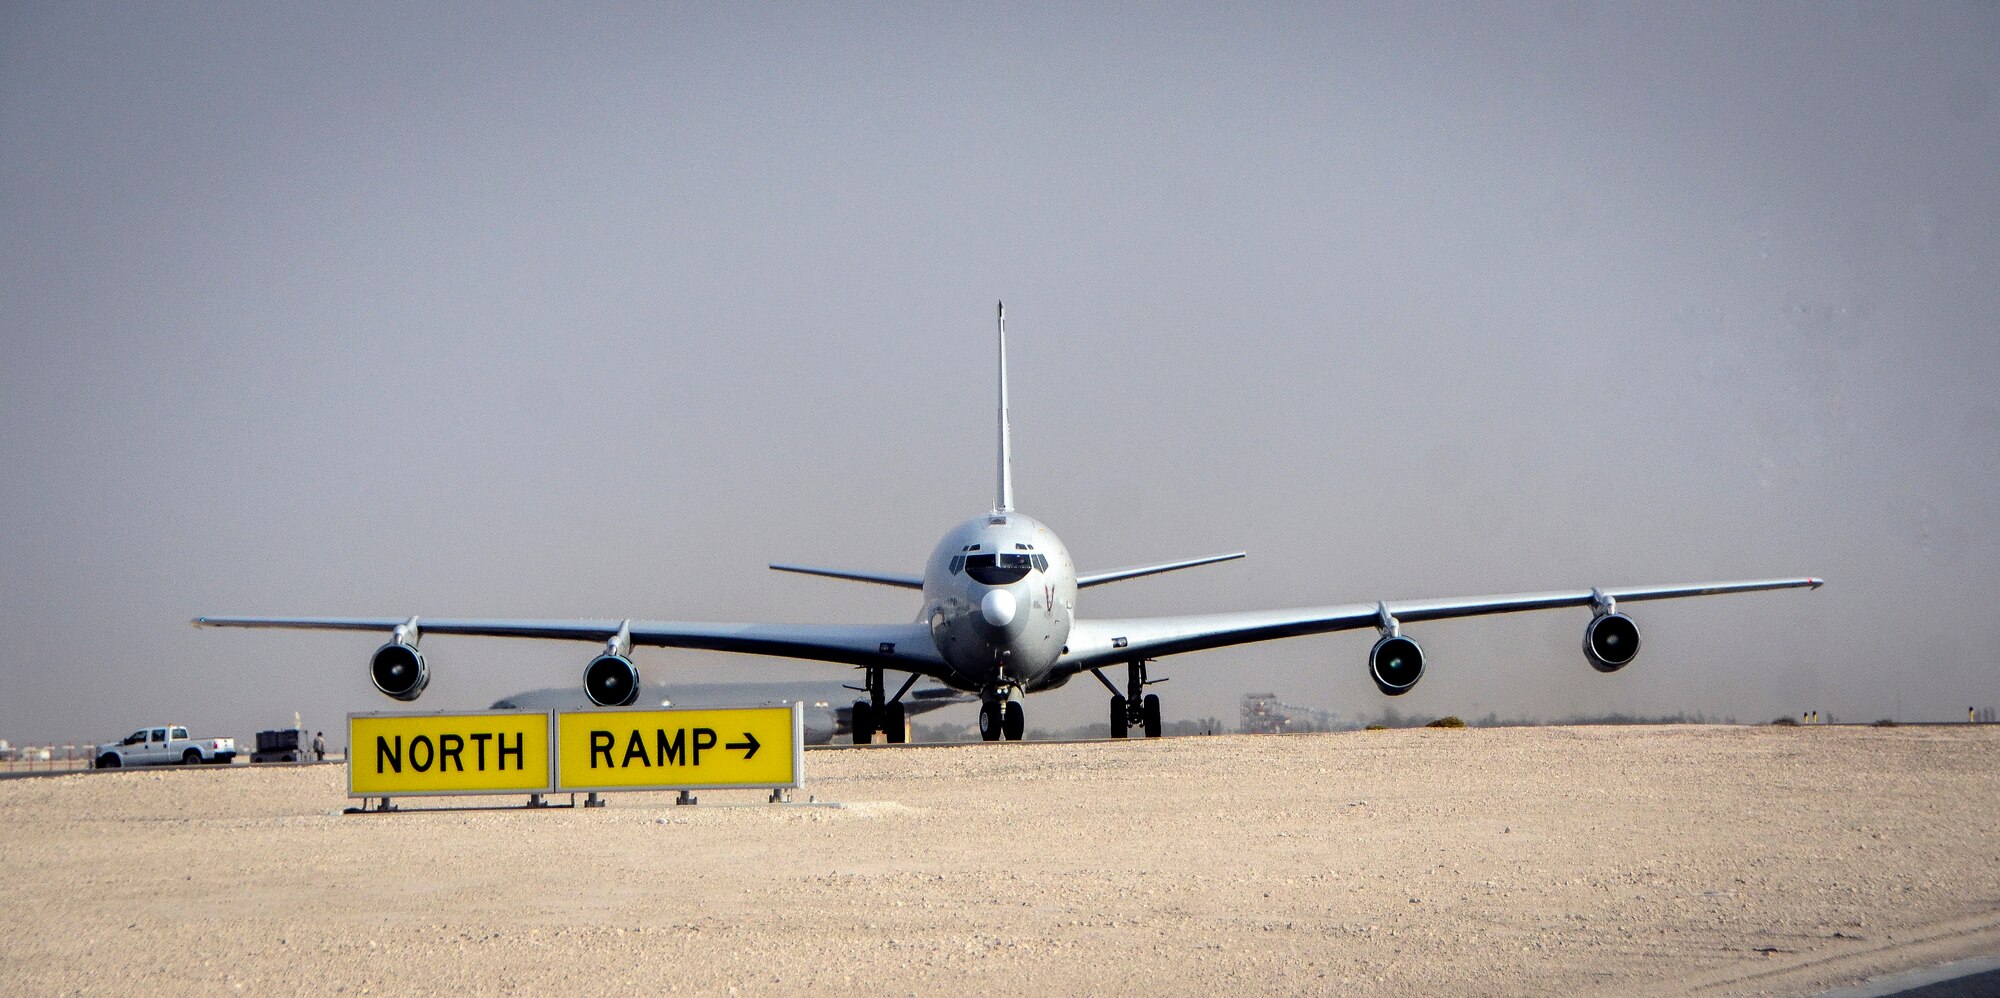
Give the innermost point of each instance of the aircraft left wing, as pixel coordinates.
(1098, 643)
(902, 647)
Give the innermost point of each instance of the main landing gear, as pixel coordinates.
(879, 712)
(1001, 715)
(1133, 708)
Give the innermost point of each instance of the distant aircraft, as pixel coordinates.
(827, 714)
(998, 620)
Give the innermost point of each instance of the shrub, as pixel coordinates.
(1787, 721)
(1448, 721)
(1886, 722)
(1376, 727)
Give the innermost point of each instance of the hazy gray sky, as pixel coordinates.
(534, 311)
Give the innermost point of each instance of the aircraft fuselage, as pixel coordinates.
(999, 596)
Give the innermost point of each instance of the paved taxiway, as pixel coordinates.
(1669, 860)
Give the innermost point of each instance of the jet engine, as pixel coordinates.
(398, 671)
(1395, 663)
(1610, 642)
(611, 681)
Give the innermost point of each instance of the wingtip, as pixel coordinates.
(1815, 583)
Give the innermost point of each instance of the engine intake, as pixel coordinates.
(611, 681)
(1395, 663)
(398, 671)
(1610, 642)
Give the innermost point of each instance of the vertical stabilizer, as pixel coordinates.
(1005, 502)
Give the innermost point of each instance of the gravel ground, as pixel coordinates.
(1645, 861)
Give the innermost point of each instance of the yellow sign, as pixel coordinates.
(407, 755)
(622, 749)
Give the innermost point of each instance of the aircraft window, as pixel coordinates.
(957, 564)
(1041, 563)
(998, 569)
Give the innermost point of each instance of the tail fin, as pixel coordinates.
(1005, 501)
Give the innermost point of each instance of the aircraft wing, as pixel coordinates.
(1098, 643)
(902, 647)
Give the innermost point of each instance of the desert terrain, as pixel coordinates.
(1610, 860)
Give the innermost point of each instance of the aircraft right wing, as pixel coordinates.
(902, 647)
(1098, 643)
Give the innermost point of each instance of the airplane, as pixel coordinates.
(827, 715)
(998, 621)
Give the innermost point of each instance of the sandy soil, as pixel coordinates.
(1675, 860)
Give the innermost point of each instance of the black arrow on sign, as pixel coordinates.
(751, 745)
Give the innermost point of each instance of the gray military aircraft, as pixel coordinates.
(999, 621)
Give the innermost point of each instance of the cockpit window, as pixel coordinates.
(998, 569)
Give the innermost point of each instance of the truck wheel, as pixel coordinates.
(191, 757)
(107, 761)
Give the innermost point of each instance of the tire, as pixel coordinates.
(894, 723)
(1117, 717)
(1152, 715)
(863, 722)
(1014, 721)
(191, 757)
(989, 721)
(108, 760)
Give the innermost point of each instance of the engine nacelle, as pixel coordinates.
(398, 671)
(611, 681)
(1395, 663)
(1610, 642)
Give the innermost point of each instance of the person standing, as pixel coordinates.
(319, 746)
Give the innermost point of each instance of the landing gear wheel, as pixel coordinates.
(1152, 715)
(1015, 721)
(107, 761)
(191, 757)
(1118, 719)
(989, 721)
(894, 728)
(863, 722)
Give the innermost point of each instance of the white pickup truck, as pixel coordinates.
(165, 745)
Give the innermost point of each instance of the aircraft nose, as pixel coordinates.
(998, 607)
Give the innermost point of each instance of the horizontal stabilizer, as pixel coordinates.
(880, 579)
(1100, 578)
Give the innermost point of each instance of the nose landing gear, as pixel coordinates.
(1134, 708)
(1001, 715)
